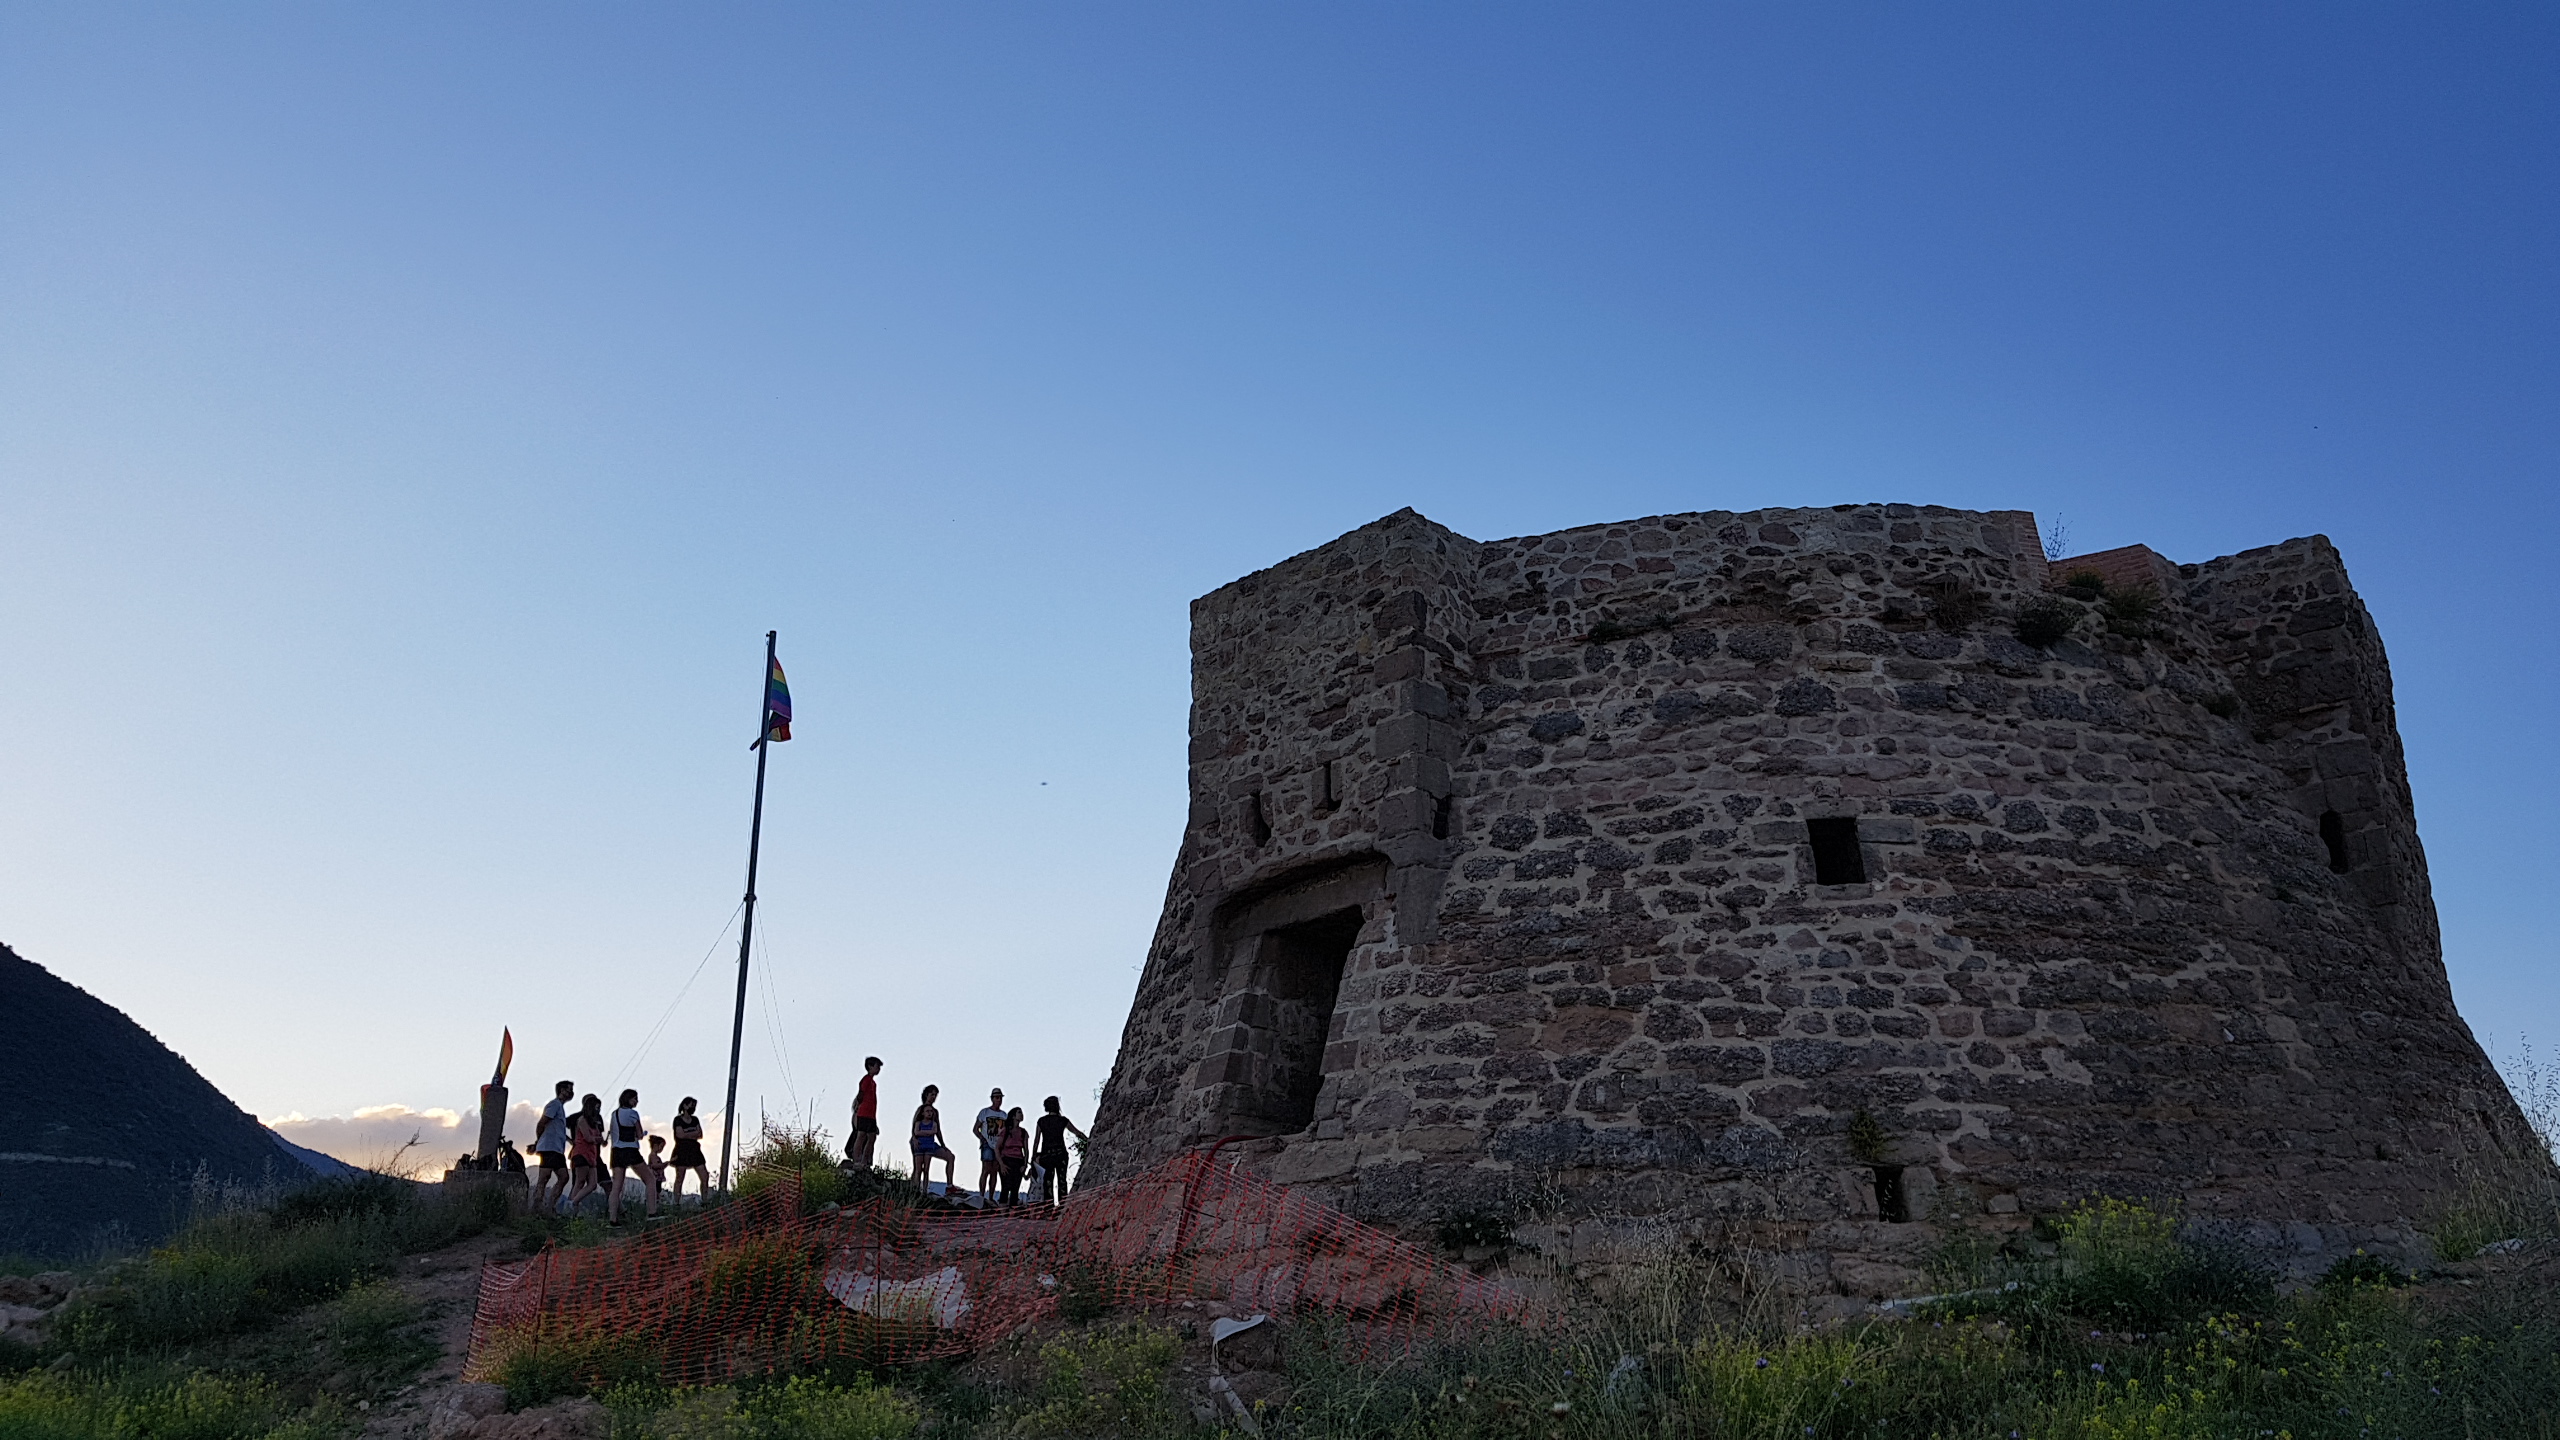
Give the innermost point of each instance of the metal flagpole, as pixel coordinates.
(747, 935)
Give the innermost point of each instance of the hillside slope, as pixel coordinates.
(103, 1128)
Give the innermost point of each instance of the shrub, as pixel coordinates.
(2129, 612)
(375, 1322)
(2128, 1265)
(759, 1271)
(2084, 584)
(50, 1406)
(345, 1197)
(1955, 605)
(802, 1408)
(546, 1363)
(2044, 622)
(786, 1147)
(1085, 1293)
(1779, 1387)
(1110, 1381)
(2363, 1269)
(1867, 1139)
(805, 1408)
(2511, 1194)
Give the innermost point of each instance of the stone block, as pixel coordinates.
(1307, 1161)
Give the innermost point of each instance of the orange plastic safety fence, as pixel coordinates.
(758, 1288)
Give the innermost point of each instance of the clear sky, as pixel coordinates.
(412, 418)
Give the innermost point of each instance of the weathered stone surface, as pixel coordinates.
(1501, 877)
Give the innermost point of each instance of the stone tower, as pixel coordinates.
(1806, 866)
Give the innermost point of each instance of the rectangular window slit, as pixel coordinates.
(1836, 860)
(1440, 812)
(2333, 833)
(1261, 823)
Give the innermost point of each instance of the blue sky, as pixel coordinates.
(411, 419)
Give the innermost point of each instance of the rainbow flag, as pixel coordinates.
(506, 1054)
(777, 705)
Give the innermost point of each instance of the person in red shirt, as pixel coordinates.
(866, 1115)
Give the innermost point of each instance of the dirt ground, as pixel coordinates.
(446, 1283)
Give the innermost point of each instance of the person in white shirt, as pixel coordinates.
(551, 1146)
(989, 1128)
(626, 1135)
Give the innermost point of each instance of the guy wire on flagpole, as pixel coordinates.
(747, 935)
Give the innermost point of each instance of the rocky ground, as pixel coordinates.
(439, 1404)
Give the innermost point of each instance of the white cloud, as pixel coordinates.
(374, 1136)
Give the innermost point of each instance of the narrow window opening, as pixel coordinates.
(1332, 785)
(1303, 975)
(1440, 812)
(1261, 823)
(2333, 833)
(1836, 860)
(1891, 1204)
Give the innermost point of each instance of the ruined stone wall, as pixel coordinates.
(2143, 911)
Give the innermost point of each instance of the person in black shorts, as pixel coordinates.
(628, 1134)
(688, 1154)
(859, 1146)
(1051, 1152)
(551, 1148)
(586, 1152)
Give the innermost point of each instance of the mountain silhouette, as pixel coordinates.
(105, 1133)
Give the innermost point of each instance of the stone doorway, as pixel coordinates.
(1302, 975)
(1286, 953)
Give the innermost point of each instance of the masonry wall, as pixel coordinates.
(2145, 910)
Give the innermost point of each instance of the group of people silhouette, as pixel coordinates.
(582, 1151)
(1007, 1149)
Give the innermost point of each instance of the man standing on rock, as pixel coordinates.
(551, 1146)
(989, 1128)
(866, 1115)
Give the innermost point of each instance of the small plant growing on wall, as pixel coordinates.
(2046, 622)
(1954, 605)
(1867, 1139)
(2084, 585)
(2129, 612)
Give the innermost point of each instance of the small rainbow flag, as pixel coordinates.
(777, 705)
(506, 1054)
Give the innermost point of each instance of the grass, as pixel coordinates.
(236, 1271)
(1106, 1380)
(265, 1316)
(2114, 1321)
(44, 1405)
(2126, 1323)
(801, 1408)
(804, 1150)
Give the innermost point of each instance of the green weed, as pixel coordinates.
(1105, 1381)
(802, 1408)
(48, 1406)
(546, 1363)
(2045, 622)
